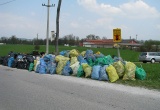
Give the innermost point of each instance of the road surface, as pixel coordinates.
(23, 90)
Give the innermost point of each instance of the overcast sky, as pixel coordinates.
(26, 18)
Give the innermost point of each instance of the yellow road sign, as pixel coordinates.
(117, 35)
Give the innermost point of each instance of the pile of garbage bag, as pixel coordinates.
(86, 64)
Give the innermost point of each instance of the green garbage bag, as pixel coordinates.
(140, 73)
(31, 66)
(80, 71)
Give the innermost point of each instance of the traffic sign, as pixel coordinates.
(117, 35)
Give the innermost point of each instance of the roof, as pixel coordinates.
(110, 42)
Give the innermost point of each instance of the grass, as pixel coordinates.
(152, 80)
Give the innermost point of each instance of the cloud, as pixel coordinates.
(138, 9)
(19, 25)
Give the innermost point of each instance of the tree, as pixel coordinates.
(92, 37)
(57, 26)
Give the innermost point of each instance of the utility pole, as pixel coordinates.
(47, 33)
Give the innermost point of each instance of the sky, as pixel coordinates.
(138, 19)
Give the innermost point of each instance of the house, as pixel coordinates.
(108, 43)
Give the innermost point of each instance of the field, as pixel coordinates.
(153, 72)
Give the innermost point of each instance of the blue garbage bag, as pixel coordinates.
(67, 70)
(43, 66)
(103, 76)
(81, 59)
(10, 61)
(53, 68)
(95, 72)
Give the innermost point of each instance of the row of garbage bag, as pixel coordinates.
(85, 64)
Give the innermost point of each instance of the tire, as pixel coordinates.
(153, 61)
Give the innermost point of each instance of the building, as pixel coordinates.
(108, 43)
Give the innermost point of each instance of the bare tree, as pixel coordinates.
(57, 27)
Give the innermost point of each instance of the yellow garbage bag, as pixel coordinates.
(73, 60)
(119, 66)
(83, 53)
(61, 58)
(74, 53)
(113, 76)
(87, 69)
(130, 69)
(60, 66)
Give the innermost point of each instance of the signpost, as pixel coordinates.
(117, 39)
(117, 35)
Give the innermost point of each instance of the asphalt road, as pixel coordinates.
(23, 90)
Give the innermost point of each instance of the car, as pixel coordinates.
(149, 57)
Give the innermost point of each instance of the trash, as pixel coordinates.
(42, 66)
(87, 69)
(119, 68)
(75, 68)
(103, 75)
(95, 72)
(81, 59)
(73, 60)
(74, 53)
(113, 76)
(10, 61)
(130, 69)
(80, 71)
(67, 69)
(140, 73)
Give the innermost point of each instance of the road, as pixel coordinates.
(23, 90)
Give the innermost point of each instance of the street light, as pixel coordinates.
(47, 33)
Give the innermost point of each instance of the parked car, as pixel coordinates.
(149, 57)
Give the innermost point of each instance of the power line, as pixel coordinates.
(7, 2)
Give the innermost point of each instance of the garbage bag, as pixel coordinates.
(43, 66)
(31, 67)
(53, 68)
(36, 63)
(109, 59)
(83, 53)
(130, 69)
(80, 71)
(75, 68)
(101, 61)
(95, 72)
(61, 58)
(87, 69)
(65, 53)
(67, 69)
(103, 75)
(73, 53)
(60, 66)
(113, 76)
(37, 68)
(73, 60)
(98, 55)
(140, 73)
(119, 68)
(81, 59)
(88, 52)
(10, 61)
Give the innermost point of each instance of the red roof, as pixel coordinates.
(106, 41)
